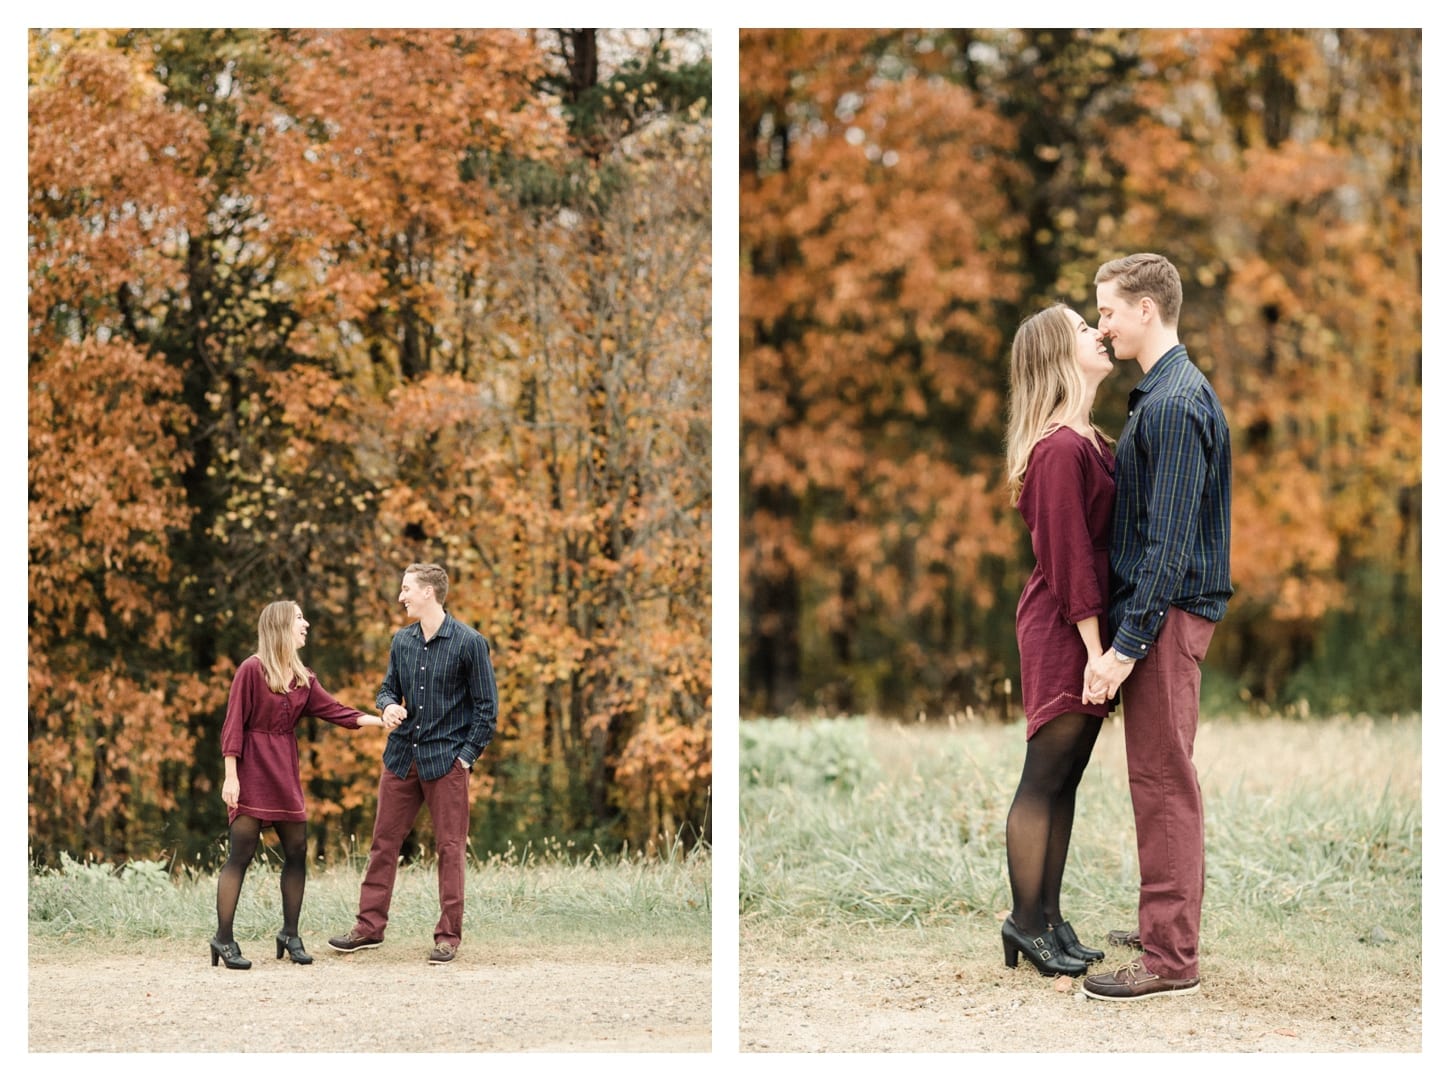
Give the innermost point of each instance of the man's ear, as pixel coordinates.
(1147, 308)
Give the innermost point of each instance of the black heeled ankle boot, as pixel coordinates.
(229, 953)
(1068, 944)
(1042, 950)
(293, 946)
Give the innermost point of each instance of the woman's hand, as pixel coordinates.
(231, 790)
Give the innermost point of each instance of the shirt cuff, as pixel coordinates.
(1130, 645)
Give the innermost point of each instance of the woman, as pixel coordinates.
(1060, 477)
(271, 693)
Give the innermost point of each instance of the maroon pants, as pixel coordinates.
(1160, 721)
(398, 803)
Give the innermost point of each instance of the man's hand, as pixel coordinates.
(393, 716)
(1103, 676)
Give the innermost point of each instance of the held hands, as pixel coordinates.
(1103, 676)
(393, 716)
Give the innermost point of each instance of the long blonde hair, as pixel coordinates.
(1046, 388)
(275, 647)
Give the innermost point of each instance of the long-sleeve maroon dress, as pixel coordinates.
(260, 730)
(1067, 503)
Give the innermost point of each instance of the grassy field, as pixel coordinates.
(611, 904)
(873, 883)
(849, 822)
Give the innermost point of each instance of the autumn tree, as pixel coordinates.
(602, 459)
(293, 249)
(1278, 169)
(874, 222)
(110, 205)
(1301, 219)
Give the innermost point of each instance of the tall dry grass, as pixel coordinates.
(615, 904)
(1313, 833)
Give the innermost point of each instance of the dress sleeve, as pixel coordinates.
(324, 707)
(241, 700)
(1054, 506)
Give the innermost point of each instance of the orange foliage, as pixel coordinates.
(297, 320)
(908, 196)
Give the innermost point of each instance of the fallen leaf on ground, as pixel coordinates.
(1062, 985)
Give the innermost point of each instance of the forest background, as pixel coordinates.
(306, 307)
(908, 196)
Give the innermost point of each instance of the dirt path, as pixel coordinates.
(917, 1003)
(148, 999)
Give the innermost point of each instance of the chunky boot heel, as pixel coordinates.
(229, 953)
(292, 945)
(1042, 950)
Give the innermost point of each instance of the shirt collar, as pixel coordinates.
(441, 632)
(1162, 370)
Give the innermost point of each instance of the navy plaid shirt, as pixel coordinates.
(1170, 539)
(446, 684)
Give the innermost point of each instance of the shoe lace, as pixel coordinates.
(1131, 969)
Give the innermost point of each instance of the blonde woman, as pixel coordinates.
(1060, 477)
(271, 693)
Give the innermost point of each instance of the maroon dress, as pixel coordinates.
(261, 732)
(1067, 503)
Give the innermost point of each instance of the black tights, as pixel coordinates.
(1039, 823)
(246, 833)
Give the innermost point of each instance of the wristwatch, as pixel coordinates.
(1123, 658)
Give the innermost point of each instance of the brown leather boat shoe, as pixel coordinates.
(443, 952)
(1133, 981)
(352, 941)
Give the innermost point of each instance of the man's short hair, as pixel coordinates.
(1146, 275)
(433, 576)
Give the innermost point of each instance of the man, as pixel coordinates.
(440, 693)
(1169, 554)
